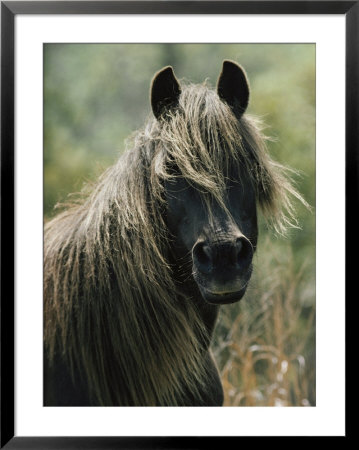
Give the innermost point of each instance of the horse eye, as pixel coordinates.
(232, 184)
(172, 168)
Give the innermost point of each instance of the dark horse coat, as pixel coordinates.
(135, 272)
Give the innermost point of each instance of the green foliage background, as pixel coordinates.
(95, 95)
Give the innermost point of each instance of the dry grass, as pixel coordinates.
(265, 345)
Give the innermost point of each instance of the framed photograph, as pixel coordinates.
(174, 184)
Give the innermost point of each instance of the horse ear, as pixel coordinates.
(233, 87)
(165, 91)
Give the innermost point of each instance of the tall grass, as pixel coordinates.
(264, 345)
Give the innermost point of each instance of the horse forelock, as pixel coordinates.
(206, 141)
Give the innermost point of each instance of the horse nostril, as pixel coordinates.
(244, 251)
(202, 256)
(238, 246)
(222, 256)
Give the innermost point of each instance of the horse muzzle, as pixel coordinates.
(222, 269)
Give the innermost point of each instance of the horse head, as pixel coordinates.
(215, 234)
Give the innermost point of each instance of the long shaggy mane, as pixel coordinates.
(112, 308)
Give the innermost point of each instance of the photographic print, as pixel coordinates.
(179, 224)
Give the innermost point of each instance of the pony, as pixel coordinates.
(135, 271)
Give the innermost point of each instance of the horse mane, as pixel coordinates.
(112, 307)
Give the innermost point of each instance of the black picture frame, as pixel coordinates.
(9, 10)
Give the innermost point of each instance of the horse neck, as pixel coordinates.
(208, 313)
